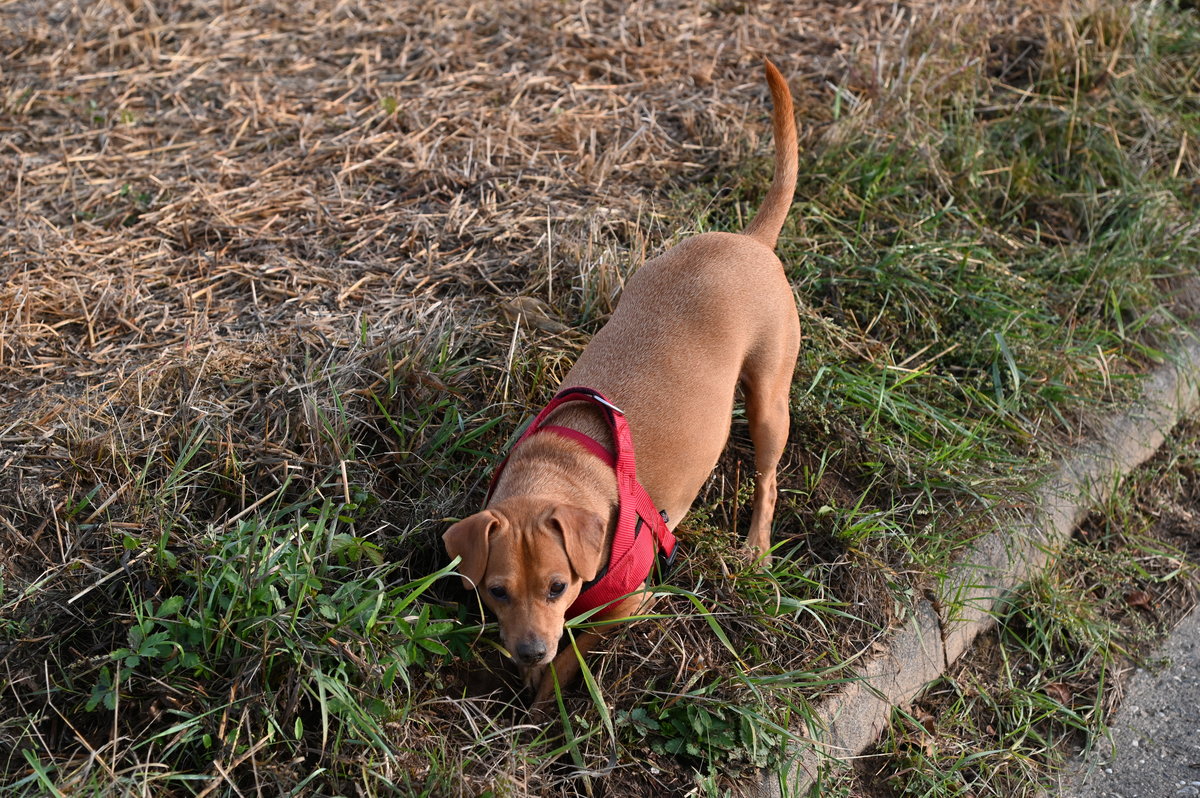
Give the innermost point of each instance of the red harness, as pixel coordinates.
(633, 550)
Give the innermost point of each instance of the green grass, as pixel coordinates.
(277, 637)
(989, 272)
(985, 263)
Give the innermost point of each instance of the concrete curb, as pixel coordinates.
(941, 627)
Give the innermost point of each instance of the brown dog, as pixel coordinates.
(711, 313)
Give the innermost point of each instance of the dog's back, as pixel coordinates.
(712, 311)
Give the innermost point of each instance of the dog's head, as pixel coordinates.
(529, 558)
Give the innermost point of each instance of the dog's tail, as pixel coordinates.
(767, 223)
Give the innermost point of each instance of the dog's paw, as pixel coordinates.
(543, 698)
(534, 677)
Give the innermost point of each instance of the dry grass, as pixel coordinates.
(218, 175)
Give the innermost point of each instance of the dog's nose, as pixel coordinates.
(531, 651)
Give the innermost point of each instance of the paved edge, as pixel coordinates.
(940, 628)
(1154, 736)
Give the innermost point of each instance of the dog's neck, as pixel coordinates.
(550, 465)
(587, 419)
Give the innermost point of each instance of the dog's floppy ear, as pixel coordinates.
(469, 539)
(583, 537)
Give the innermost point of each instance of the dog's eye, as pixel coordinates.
(498, 592)
(556, 589)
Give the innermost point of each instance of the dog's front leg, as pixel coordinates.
(566, 664)
(535, 677)
(563, 669)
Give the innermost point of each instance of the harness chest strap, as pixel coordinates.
(633, 551)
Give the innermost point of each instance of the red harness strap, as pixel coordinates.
(633, 550)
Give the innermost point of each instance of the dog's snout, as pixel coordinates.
(531, 652)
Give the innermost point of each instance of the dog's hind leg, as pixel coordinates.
(766, 394)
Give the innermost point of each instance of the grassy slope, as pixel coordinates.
(1061, 215)
(233, 594)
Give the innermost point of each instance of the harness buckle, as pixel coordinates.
(601, 400)
(665, 563)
